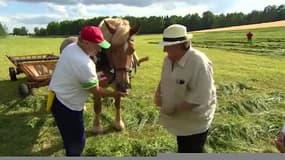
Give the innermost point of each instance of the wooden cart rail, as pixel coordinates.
(27, 58)
(38, 70)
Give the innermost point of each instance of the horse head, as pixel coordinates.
(121, 57)
(121, 54)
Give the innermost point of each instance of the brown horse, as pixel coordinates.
(116, 63)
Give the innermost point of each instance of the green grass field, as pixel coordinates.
(250, 112)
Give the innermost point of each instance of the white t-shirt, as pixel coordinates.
(190, 80)
(74, 74)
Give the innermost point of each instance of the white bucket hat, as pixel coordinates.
(175, 34)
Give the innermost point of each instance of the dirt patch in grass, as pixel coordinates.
(250, 26)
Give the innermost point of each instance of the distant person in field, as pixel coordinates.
(73, 78)
(186, 95)
(249, 36)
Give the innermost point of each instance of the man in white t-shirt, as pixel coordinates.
(73, 79)
(186, 95)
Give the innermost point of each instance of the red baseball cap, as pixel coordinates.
(94, 34)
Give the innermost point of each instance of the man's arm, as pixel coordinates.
(184, 106)
(157, 96)
(178, 108)
(105, 93)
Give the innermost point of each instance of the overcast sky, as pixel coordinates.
(38, 13)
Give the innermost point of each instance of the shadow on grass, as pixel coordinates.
(22, 123)
(10, 90)
(108, 130)
(26, 129)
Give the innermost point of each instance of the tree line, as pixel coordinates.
(3, 31)
(156, 24)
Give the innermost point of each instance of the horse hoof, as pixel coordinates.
(98, 129)
(120, 125)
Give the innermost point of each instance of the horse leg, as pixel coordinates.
(97, 127)
(119, 124)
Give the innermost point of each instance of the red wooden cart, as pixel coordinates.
(37, 68)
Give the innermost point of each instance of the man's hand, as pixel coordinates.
(106, 93)
(157, 96)
(118, 94)
(157, 100)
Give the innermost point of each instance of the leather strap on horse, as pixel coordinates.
(123, 69)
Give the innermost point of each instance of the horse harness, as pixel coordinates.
(103, 64)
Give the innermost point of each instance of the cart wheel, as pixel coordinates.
(12, 73)
(24, 90)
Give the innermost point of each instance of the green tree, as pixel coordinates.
(36, 30)
(234, 19)
(207, 20)
(53, 28)
(134, 21)
(40, 31)
(195, 22)
(3, 31)
(254, 17)
(76, 26)
(156, 24)
(270, 13)
(185, 21)
(220, 21)
(65, 27)
(281, 12)
(20, 31)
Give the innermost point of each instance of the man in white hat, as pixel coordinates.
(186, 95)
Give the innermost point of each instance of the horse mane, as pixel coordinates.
(122, 30)
(119, 37)
(67, 41)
